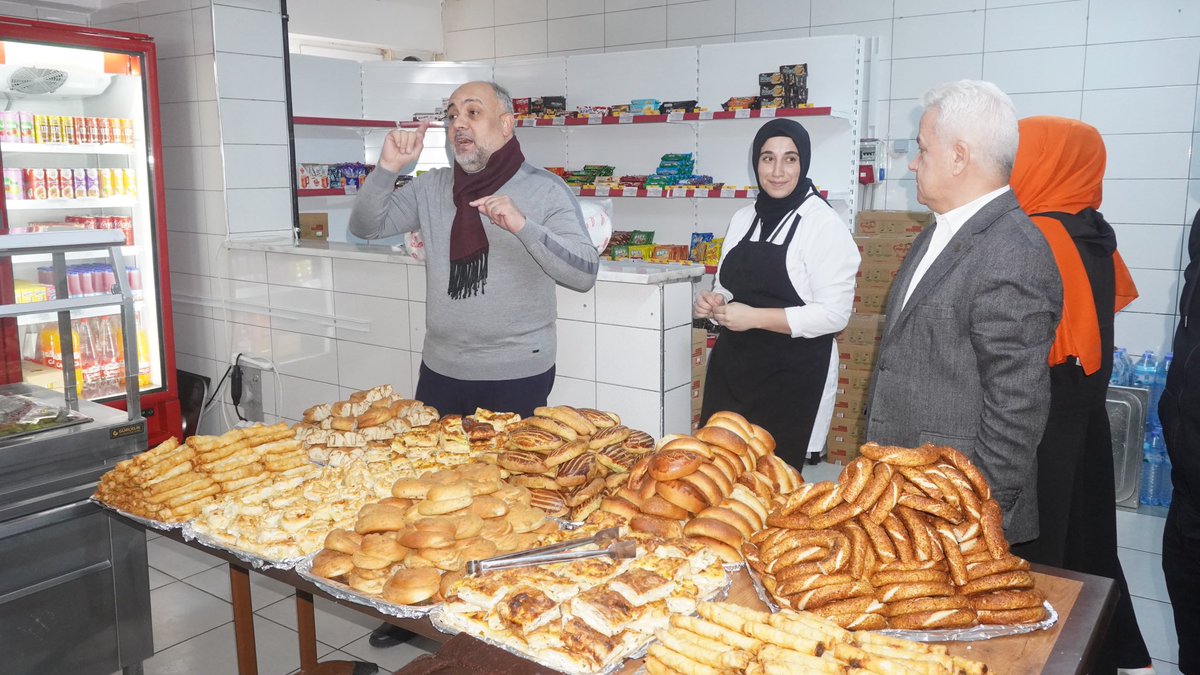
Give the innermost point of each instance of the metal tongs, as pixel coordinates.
(556, 553)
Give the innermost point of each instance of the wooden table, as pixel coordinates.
(1084, 604)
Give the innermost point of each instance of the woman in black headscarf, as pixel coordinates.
(784, 287)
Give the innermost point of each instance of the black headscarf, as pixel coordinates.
(769, 209)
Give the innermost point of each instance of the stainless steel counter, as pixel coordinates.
(74, 584)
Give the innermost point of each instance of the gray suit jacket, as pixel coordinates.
(963, 363)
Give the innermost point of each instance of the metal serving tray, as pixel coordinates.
(1127, 407)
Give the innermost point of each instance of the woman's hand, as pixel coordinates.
(705, 303)
(736, 316)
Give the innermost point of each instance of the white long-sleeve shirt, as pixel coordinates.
(948, 225)
(822, 262)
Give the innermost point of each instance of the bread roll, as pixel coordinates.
(689, 444)
(568, 416)
(658, 527)
(671, 464)
(411, 488)
(342, 541)
(374, 417)
(424, 539)
(412, 586)
(732, 421)
(331, 564)
(728, 554)
(683, 495)
(380, 518)
(608, 436)
(438, 507)
(489, 506)
(343, 423)
(729, 517)
(546, 424)
(657, 506)
(724, 438)
(619, 506)
(467, 526)
(716, 529)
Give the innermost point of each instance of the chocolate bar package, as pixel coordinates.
(554, 104)
(770, 79)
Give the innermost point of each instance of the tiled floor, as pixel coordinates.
(193, 620)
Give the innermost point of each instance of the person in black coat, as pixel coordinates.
(1179, 410)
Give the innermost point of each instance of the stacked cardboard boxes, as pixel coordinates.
(884, 238)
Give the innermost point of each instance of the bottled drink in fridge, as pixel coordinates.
(89, 363)
(143, 353)
(109, 358)
(1152, 470)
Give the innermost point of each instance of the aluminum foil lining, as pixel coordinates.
(343, 592)
(638, 651)
(972, 634)
(253, 559)
(146, 522)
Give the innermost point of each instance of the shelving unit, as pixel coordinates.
(62, 204)
(677, 117)
(65, 149)
(349, 123)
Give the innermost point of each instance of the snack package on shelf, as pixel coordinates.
(729, 638)
(699, 247)
(906, 539)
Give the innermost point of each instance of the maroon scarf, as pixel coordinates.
(468, 240)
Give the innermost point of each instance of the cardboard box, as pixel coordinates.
(883, 247)
(854, 426)
(876, 273)
(314, 226)
(893, 222)
(870, 299)
(853, 380)
(841, 450)
(851, 404)
(862, 329)
(857, 357)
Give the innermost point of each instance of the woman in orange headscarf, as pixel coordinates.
(1058, 179)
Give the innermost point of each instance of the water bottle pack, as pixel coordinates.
(1156, 472)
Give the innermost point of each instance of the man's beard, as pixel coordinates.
(473, 160)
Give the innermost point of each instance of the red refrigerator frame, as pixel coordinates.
(159, 408)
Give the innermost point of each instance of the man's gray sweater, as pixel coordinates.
(507, 331)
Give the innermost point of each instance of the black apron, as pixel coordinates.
(774, 380)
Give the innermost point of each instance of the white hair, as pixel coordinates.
(978, 113)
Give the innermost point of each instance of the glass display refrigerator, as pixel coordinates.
(80, 148)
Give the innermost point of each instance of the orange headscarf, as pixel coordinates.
(1060, 168)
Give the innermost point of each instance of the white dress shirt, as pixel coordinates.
(948, 225)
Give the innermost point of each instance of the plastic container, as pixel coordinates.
(1152, 470)
(1144, 370)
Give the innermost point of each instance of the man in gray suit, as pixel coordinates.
(973, 309)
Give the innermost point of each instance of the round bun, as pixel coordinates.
(723, 482)
(525, 519)
(488, 506)
(729, 517)
(343, 541)
(728, 554)
(411, 488)
(723, 437)
(683, 495)
(730, 462)
(689, 444)
(764, 437)
(425, 539)
(382, 546)
(363, 561)
(467, 526)
(330, 564)
(446, 588)
(748, 514)
(716, 529)
(657, 506)
(732, 421)
(494, 528)
(619, 506)
(379, 518)
(658, 527)
(707, 487)
(442, 506)
(449, 491)
(412, 586)
(672, 464)
(478, 549)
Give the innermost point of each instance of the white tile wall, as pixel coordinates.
(1111, 20)
(771, 15)
(387, 319)
(362, 366)
(638, 351)
(573, 392)
(299, 270)
(521, 38)
(563, 8)
(1160, 63)
(1159, 109)
(698, 19)
(364, 277)
(247, 31)
(636, 26)
(911, 77)
(307, 300)
(1049, 25)
(937, 35)
(575, 32)
(636, 305)
(238, 76)
(576, 349)
(256, 210)
(1035, 70)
